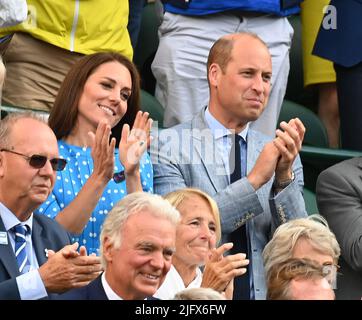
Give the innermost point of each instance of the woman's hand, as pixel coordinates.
(220, 271)
(135, 142)
(102, 152)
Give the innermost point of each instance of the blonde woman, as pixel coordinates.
(196, 237)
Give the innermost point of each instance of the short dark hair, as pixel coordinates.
(64, 113)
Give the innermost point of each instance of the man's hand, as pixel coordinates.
(68, 268)
(265, 166)
(289, 143)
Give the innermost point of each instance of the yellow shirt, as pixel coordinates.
(84, 26)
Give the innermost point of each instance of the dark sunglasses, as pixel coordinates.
(37, 161)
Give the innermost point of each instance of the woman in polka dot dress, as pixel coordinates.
(98, 91)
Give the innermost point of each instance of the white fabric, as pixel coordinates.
(174, 283)
(12, 12)
(180, 62)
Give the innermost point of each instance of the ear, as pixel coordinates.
(107, 249)
(214, 74)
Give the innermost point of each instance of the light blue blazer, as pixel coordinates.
(182, 158)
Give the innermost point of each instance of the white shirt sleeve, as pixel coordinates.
(31, 286)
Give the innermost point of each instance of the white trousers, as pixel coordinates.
(180, 62)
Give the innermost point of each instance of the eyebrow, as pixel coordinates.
(114, 81)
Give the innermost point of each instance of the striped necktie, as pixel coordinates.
(20, 247)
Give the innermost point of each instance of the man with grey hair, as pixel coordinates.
(35, 256)
(137, 244)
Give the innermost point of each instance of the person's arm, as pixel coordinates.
(132, 146)
(77, 213)
(287, 202)
(339, 198)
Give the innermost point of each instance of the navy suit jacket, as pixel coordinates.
(342, 45)
(92, 291)
(46, 234)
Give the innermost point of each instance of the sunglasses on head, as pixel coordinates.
(37, 161)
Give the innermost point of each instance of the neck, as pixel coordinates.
(79, 136)
(187, 272)
(227, 120)
(18, 208)
(117, 288)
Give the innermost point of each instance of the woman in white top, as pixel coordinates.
(197, 234)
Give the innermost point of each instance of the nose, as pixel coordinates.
(47, 170)
(115, 96)
(258, 84)
(205, 232)
(157, 260)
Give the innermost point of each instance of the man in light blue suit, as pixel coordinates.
(268, 191)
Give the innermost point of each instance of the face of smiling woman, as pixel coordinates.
(104, 96)
(196, 233)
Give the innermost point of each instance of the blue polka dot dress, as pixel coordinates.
(71, 180)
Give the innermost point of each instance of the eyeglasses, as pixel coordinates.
(37, 161)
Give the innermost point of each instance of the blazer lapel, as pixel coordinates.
(214, 166)
(255, 146)
(40, 243)
(7, 256)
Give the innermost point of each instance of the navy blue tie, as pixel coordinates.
(20, 247)
(237, 165)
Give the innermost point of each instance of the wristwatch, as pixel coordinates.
(284, 183)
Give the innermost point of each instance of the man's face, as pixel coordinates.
(22, 186)
(139, 266)
(242, 90)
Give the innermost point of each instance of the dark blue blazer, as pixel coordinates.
(93, 291)
(342, 45)
(46, 234)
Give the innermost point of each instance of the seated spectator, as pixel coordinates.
(339, 199)
(199, 294)
(95, 95)
(197, 234)
(256, 181)
(137, 244)
(298, 279)
(29, 266)
(303, 238)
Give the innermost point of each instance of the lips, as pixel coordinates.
(107, 109)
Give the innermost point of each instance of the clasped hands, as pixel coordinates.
(279, 154)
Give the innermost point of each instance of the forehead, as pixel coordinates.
(304, 248)
(146, 227)
(249, 51)
(195, 206)
(33, 135)
(114, 70)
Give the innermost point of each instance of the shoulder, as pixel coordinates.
(74, 294)
(50, 226)
(350, 164)
(346, 168)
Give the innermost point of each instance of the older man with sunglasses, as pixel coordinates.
(36, 259)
